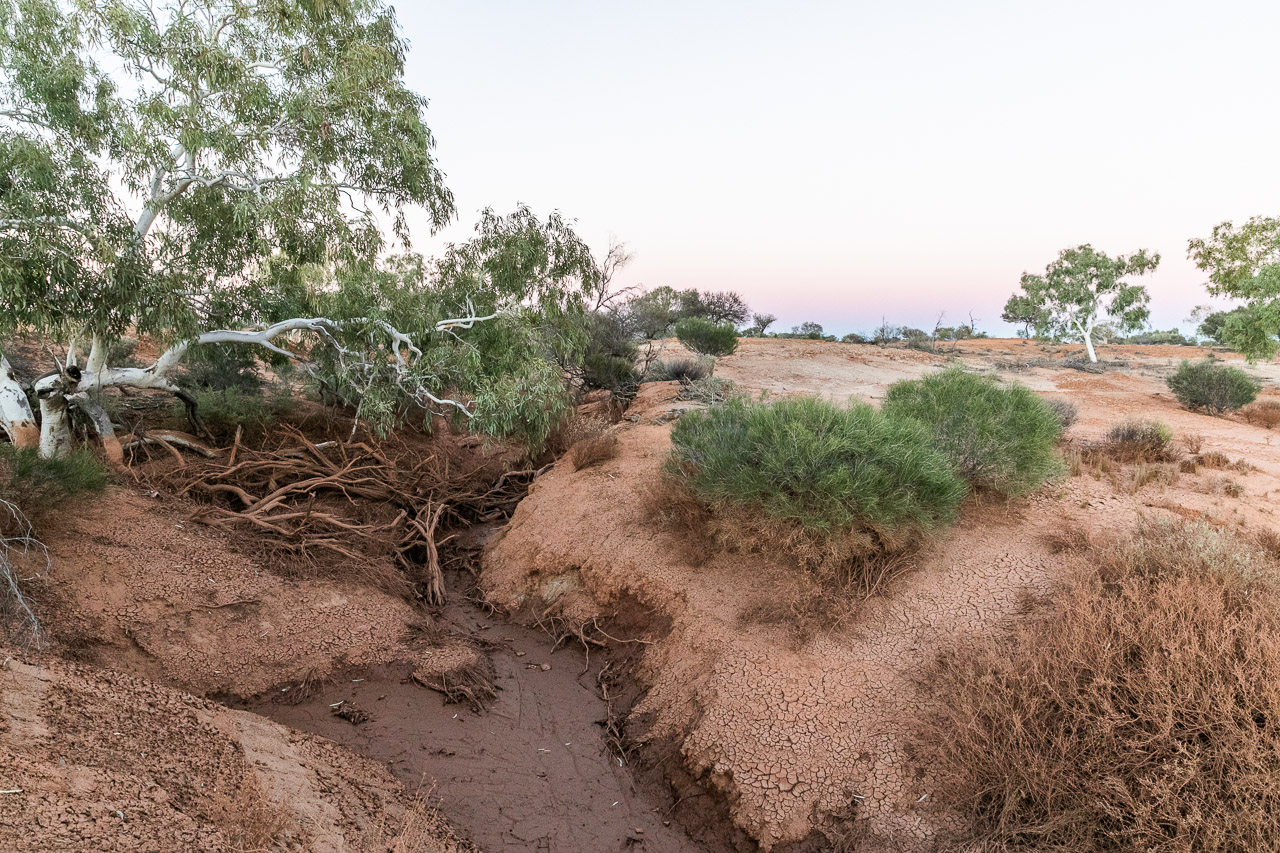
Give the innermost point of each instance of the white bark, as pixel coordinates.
(16, 418)
(55, 426)
(56, 393)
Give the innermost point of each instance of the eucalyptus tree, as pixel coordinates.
(1078, 290)
(1243, 262)
(219, 171)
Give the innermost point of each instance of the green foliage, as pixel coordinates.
(1080, 287)
(707, 338)
(1000, 437)
(37, 485)
(1173, 337)
(610, 355)
(1212, 386)
(237, 131)
(855, 338)
(1243, 262)
(851, 478)
(256, 409)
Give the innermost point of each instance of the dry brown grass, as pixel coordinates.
(1140, 441)
(1264, 413)
(1138, 711)
(256, 822)
(823, 603)
(593, 450)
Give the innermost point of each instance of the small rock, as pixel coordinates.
(546, 667)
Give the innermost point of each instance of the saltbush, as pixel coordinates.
(1212, 386)
(1138, 710)
(821, 481)
(707, 338)
(1001, 437)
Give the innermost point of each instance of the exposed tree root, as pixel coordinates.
(359, 504)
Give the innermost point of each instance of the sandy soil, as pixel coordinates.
(798, 738)
(149, 592)
(105, 762)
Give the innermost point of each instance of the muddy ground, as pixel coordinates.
(166, 713)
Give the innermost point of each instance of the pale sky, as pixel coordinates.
(842, 161)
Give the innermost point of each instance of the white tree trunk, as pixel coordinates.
(16, 418)
(55, 426)
(1088, 346)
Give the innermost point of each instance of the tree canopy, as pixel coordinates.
(1243, 262)
(1078, 289)
(214, 171)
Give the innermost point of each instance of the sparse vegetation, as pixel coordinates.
(708, 390)
(1001, 437)
(707, 338)
(1264, 413)
(821, 481)
(1212, 386)
(681, 369)
(1140, 441)
(593, 449)
(1066, 411)
(1137, 711)
(38, 485)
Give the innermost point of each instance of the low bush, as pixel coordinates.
(681, 369)
(812, 478)
(707, 338)
(256, 409)
(1137, 711)
(709, 390)
(1066, 412)
(37, 486)
(1264, 413)
(1140, 441)
(601, 371)
(1212, 386)
(593, 450)
(1001, 437)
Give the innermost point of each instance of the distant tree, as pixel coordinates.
(1213, 324)
(855, 338)
(808, 329)
(886, 333)
(1024, 312)
(1081, 287)
(760, 323)
(651, 314)
(1243, 262)
(725, 306)
(691, 304)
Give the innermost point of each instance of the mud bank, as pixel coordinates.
(534, 771)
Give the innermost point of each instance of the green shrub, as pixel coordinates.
(707, 338)
(1000, 437)
(1212, 386)
(807, 476)
(608, 372)
(256, 410)
(37, 485)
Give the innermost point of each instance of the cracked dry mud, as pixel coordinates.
(793, 737)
